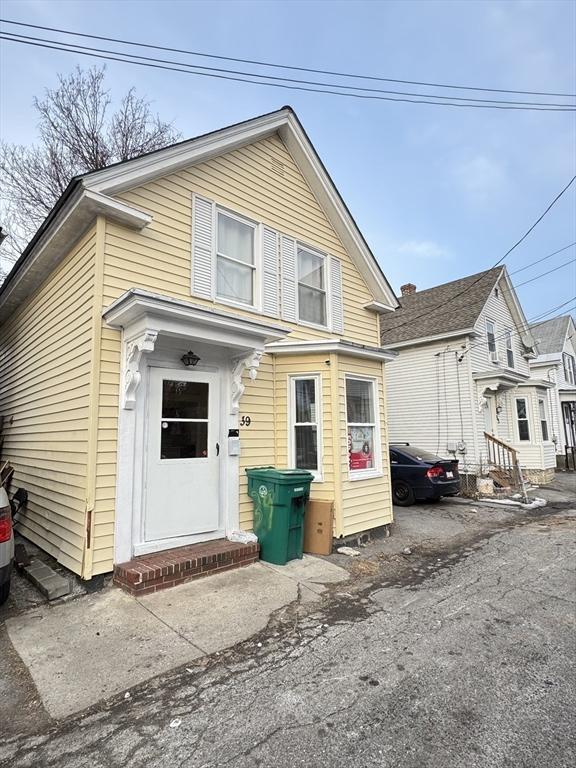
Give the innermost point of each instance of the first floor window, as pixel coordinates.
(306, 424)
(361, 413)
(509, 350)
(311, 287)
(543, 419)
(235, 263)
(522, 416)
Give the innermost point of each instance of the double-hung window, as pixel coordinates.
(362, 422)
(522, 418)
(235, 259)
(311, 286)
(491, 336)
(569, 368)
(509, 349)
(306, 424)
(543, 420)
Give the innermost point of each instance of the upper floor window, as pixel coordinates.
(509, 350)
(311, 287)
(235, 262)
(491, 335)
(522, 418)
(569, 368)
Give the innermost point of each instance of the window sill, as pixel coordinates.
(237, 305)
(367, 475)
(318, 327)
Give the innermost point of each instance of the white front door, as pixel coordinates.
(490, 415)
(182, 465)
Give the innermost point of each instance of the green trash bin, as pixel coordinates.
(279, 497)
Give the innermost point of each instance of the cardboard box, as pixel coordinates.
(318, 527)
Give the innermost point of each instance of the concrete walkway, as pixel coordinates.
(92, 648)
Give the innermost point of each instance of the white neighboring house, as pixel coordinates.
(461, 383)
(556, 362)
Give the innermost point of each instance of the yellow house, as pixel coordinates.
(234, 247)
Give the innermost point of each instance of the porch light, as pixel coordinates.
(190, 359)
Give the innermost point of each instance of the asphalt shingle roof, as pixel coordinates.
(445, 308)
(549, 336)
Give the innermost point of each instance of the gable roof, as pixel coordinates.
(444, 309)
(551, 335)
(44, 249)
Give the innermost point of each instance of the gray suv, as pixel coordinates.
(6, 545)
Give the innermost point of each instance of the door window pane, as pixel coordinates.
(306, 447)
(184, 399)
(235, 239)
(184, 440)
(359, 401)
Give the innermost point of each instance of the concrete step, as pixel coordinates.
(48, 581)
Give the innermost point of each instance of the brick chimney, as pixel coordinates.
(408, 289)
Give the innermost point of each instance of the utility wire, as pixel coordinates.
(119, 56)
(548, 272)
(18, 37)
(542, 259)
(282, 66)
(482, 275)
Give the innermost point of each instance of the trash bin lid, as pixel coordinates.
(281, 476)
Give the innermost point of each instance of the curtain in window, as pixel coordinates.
(311, 288)
(235, 261)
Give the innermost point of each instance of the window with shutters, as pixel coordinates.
(306, 424)
(235, 259)
(311, 287)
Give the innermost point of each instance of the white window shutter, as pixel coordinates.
(202, 246)
(288, 258)
(336, 301)
(270, 292)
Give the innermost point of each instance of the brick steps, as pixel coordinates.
(161, 570)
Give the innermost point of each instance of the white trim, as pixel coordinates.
(75, 218)
(292, 379)
(377, 470)
(256, 266)
(326, 346)
(377, 306)
(426, 339)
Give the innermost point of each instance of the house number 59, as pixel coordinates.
(245, 421)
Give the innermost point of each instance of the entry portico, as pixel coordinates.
(178, 462)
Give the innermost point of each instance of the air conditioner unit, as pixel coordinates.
(494, 357)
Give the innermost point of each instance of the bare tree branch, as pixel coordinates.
(76, 135)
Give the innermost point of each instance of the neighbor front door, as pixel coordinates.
(182, 476)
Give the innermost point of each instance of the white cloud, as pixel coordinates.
(422, 249)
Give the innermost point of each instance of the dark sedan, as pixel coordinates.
(418, 475)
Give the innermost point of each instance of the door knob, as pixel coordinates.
(217, 449)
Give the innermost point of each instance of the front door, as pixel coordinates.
(490, 415)
(182, 476)
(569, 413)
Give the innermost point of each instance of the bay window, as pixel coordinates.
(311, 287)
(522, 418)
(543, 420)
(235, 262)
(362, 426)
(306, 424)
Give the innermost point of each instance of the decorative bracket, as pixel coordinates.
(250, 361)
(132, 378)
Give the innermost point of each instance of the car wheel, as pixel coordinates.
(402, 494)
(4, 591)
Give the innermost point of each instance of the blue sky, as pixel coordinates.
(438, 192)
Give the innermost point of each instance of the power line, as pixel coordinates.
(482, 275)
(17, 37)
(548, 272)
(282, 66)
(542, 259)
(148, 62)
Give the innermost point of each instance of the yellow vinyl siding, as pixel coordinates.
(45, 369)
(365, 503)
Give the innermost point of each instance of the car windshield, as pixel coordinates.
(417, 453)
